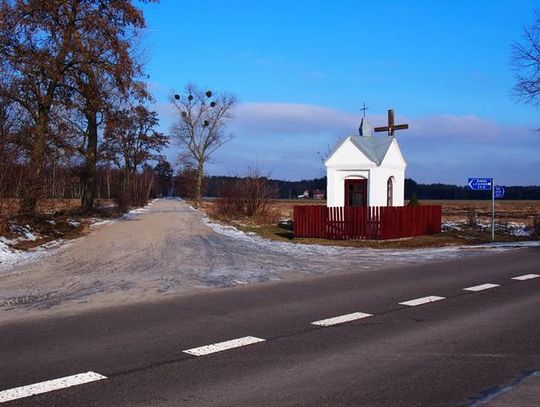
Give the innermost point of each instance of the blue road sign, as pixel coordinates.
(499, 191)
(480, 184)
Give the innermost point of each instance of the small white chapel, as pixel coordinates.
(367, 170)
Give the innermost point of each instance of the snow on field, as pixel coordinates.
(512, 228)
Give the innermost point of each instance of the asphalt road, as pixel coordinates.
(445, 353)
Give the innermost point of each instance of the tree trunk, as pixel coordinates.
(108, 184)
(198, 185)
(89, 175)
(33, 184)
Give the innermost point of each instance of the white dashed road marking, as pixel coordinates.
(88, 377)
(341, 319)
(221, 346)
(526, 277)
(49, 385)
(423, 300)
(481, 287)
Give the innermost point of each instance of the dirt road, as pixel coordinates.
(171, 248)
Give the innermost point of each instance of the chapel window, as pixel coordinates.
(390, 192)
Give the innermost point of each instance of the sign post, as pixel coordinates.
(486, 184)
(493, 211)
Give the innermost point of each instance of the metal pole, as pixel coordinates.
(492, 209)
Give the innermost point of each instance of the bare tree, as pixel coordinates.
(36, 39)
(59, 56)
(200, 128)
(10, 127)
(247, 196)
(105, 73)
(526, 64)
(130, 141)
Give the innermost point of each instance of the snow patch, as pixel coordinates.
(6, 252)
(518, 229)
(10, 256)
(138, 211)
(94, 222)
(389, 254)
(25, 232)
(450, 225)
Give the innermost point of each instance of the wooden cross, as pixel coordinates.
(391, 126)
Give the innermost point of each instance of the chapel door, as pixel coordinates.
(355, 192)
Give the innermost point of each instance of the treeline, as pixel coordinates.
(446, 191)
(74, 116)
(292, 189)
(214, 185)
(64, 182)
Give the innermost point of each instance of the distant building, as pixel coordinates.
(366, 170)
(305, 195)
(317, 194)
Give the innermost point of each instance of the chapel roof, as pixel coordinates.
(374, 148)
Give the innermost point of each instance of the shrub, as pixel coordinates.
(248, 196)
(472, 218)
(536, 225)
(414, 200)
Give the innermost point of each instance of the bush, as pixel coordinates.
(472, 218)
(249, 196)
(414, 200)
(536, 225)
(186, 183)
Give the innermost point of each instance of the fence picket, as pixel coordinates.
(366, 222)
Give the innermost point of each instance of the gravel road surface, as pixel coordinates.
(170, 248)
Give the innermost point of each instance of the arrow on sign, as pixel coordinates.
(499, 191)
(480, 184)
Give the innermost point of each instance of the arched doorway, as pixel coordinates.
(355, 192)
(390, 192)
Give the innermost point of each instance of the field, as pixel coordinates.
(512, 218)
(61, 219)
(453, 211)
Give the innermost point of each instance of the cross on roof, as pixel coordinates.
(391, 127)
(363, 109)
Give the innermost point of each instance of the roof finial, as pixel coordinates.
(363, 109)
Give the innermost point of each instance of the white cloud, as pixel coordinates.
(284, 139)
(290, 118)
(442, 148)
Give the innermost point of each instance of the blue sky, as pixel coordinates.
(302, 70)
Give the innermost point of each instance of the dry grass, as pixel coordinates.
(9, 207)
(453, 211)
(56, 219)
(505, 211)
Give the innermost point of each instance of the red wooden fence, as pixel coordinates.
(375, 222)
